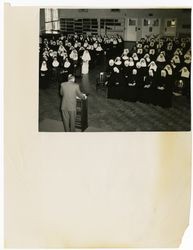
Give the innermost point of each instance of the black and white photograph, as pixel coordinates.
(111, 70)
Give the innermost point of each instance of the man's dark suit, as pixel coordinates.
(69, 91)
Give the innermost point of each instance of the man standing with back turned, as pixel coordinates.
(69, 91)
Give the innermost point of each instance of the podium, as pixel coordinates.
(81, 114)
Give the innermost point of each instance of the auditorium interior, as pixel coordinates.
(137, 74)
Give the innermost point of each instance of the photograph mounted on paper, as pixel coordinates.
(113, 70)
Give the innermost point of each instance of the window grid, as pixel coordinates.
(52, 23)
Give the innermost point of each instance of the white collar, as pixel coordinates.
(161, 59)
(185, 74)
(55, 63)
(44, 67)
(67, 64)
(118, 62)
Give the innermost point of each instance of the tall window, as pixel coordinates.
(52, 22)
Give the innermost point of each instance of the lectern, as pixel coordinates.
(81, 114)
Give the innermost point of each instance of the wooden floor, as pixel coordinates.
(113, 115)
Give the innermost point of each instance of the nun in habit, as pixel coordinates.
(131, 64)
(152, 54)
(74, 59)
(124, 55)
(116, 85)
(99, 54)
(178, 89)
(140, 52)
(187, 60)
(185, 77)
(176, 60)
(135, 57)
(126, 69)
(43, 80)
(169, 71)
(85, 62)
(144, 69)
(118, 63)
(140, 75)
(55, 69)
(67, 70)
(148, 88)
(132, 87)
(147, 58)
(161, 60)
(163, 93)
(109, 69)
(153, 66)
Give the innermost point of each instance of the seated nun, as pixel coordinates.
(187, 60)
(178, 89)
(146, 49)
(99, 54)
(140, 74)
(44, 75)
(116, 85)
(125, 54)
(107, 47)
(68, 46)
(185, 77)
(110, 67)
(147, 58)
(76, 44)
(169, 71)
(81, 51)
(178, 52)
(152, 44)
(67, 70)
(132, 87)
(163, 94)
(140, 52)
(75, 63)
(135, 57)
(176, 60)
(120, 44)
(85, 45)
(61, 49)
(55, 69)
(152, 54)
(51, 53)
(144, 68)
(114, 49)
(169, 50)
(126, 69)
(161, 60)
(118, 62)
(55, 63)
(74, 56)
(148, 89)
(65, 55)
(45, 52)
(54, 54)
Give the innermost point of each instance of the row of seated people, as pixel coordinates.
(128, 75)
(155, 44)
(95, 44)
(152, 88)
(107, 42)
(73, 55)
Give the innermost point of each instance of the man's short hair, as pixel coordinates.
(71, 78)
